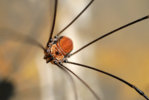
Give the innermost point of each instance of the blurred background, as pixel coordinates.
(24, 75)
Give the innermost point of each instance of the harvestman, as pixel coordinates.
(58, 50)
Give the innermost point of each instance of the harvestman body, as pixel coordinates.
(59, 48)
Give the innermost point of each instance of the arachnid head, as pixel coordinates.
(58, 49)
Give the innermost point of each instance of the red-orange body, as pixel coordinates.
(57, 50)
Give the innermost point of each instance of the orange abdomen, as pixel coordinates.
(65, 45)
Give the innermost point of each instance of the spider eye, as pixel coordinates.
(57, 53)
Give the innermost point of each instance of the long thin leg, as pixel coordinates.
(84, 83)
(54, 19)
(75, 17)
(5, 33)
(72, 81)
(109, 33)
(106, 73)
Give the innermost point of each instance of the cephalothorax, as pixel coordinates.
(58, 49)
